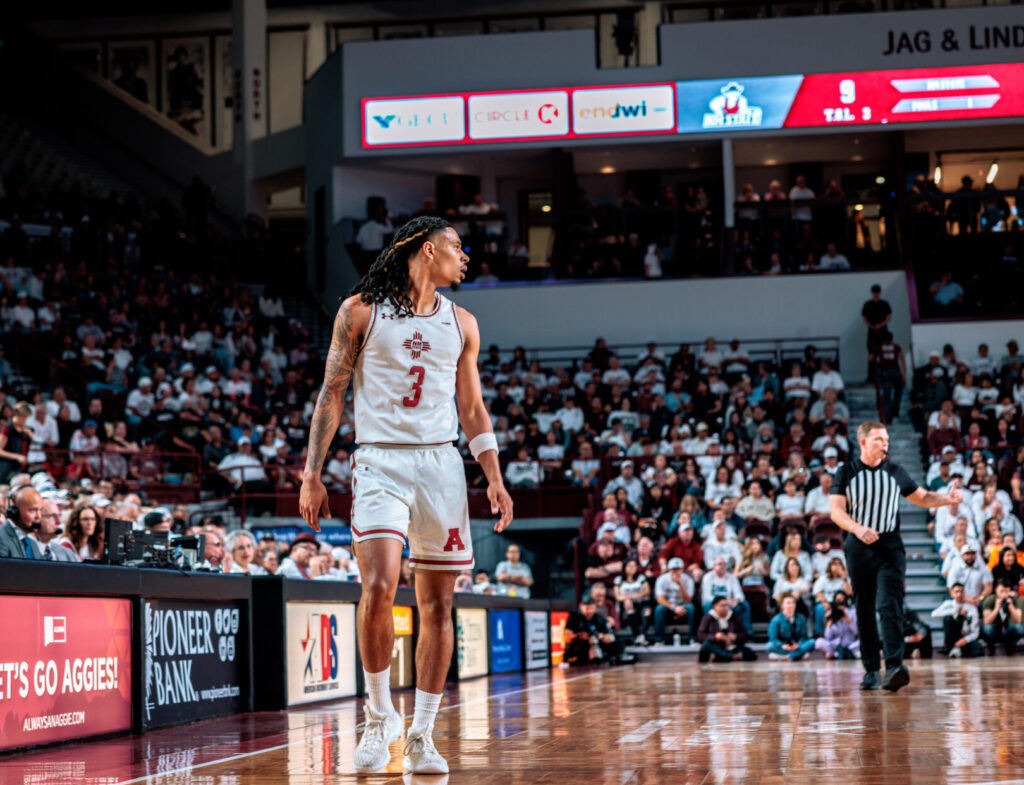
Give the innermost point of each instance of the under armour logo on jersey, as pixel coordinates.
(416, 345)
(454, 541)
(387, 316)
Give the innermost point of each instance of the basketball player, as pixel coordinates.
(409, 353)
(870, 488)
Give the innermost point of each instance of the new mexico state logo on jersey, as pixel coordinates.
(416, 345)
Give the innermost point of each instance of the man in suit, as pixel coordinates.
(23, 516)
(47, 534)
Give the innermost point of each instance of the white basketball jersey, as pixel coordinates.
(404, 379)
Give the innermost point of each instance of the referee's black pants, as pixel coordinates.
(878, 575)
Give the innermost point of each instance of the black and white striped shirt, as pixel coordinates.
(874, 493)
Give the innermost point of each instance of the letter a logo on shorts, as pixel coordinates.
(454, 541)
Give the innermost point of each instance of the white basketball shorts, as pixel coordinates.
(417, 493)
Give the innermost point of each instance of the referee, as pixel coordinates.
(865, 502)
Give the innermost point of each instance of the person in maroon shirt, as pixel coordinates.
(686, 546)
(797, 439)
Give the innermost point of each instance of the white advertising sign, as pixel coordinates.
(389, 121)
(321, 651)
(471, 641)
(623, 110)
(519, 115)
(536, 646)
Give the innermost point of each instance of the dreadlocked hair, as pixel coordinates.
(388, 277)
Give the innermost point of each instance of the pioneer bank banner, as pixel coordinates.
(194, 660)
(65, 668)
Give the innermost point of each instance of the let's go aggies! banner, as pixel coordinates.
(65, 668)
(706, 106)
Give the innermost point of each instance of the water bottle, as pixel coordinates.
(676, 640)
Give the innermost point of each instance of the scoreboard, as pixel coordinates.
(705, 106)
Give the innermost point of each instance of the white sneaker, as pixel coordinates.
(422, 757)
(381, 730)
(777, 657)
(956, 651)
(640, 641)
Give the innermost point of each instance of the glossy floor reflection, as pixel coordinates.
(658, 722)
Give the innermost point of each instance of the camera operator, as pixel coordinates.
(24, 516)
(917, 636)
(1001, 619)
(840, 638)
(588, 639)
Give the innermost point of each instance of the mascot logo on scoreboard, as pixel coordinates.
(731, 109)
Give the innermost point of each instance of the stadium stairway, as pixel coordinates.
(925, 590)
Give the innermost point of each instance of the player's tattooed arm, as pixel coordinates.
(349, 328)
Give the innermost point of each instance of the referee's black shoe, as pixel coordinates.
(896, 678)
(871, 681)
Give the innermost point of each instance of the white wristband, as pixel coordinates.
(481, 443)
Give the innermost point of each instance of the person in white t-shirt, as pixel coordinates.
(803, 214)
(833, 260)
(616, 374)
(790, 504)
(825, 378)
(710, 358)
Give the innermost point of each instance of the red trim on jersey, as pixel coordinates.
(437, 307)
(440, 562)
(458, 326)
(405, 444)
(373, 321)
(358, 533)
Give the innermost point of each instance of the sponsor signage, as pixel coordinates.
(321, 651)
(535, 648)
(65, 668)
(558, 620)
(194, 660)
(402, 653)
(506, 641)
(624, 110)
(526, 115)
(426, 120)
(471, 641)
(910, 95)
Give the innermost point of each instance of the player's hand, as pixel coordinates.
(313, 501)
(955, 495)
(867, 536)
(501, 502)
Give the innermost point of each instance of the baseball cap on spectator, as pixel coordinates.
(675, 563)
(650, 339)
(702, 426)
(934, 353)
(685, 428)
(41, 478)
(949, 449)
(625, 463)
(607, 526)
(187, 367)
(98, 500)
(304, 537)
(244, 440)
(685, 524)
(145, 381)
(90, 424)
(815, 464)
(830, 452)
(211, 369)
(164, 389)
(968, 548)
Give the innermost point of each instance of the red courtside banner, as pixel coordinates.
(65, 668)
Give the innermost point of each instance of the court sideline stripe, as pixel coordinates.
(156, 776)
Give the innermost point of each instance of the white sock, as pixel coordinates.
(427, 704)
(378, 690)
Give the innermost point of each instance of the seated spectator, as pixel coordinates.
(606, 605)
(825, 378)
(796, 385)
(147, 466)
(831, 439)
(824, 553)
(684, 545)
(85, 532)
(839, 638)
(816, 501)
(605, 564)
(481, 583)
(947, 294)
(833, 260)
(961, 624)
(1009, 568)
(722, 635)
(719, 582)
(240, 554)
(972, 575)
(793, 584)
(673, 593)
(588, 640)
(754, 567)
(832, 580)
(524, 472)
(1001, 619)
(787, 634)
(646, 559)
(632, 484)
(300, 555)
(720, 488)
(829, 398)
(755, 504)
(633, 593)
(513, 575)
(720, 546)
(792, 548)
(790, 504)
(943, 437)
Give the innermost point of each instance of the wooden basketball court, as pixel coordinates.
(663, 721)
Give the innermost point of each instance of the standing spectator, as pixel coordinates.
(787, 634)
(373, 234)
(803, 212)
(890, 364)
(833, 260)
(722, 636)
(673, 593)
(514, 576)
(44, 434)
(876, 314)
(15, 440)
(1002, 620)
(961, 624)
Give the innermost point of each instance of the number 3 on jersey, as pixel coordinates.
(417, 387)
